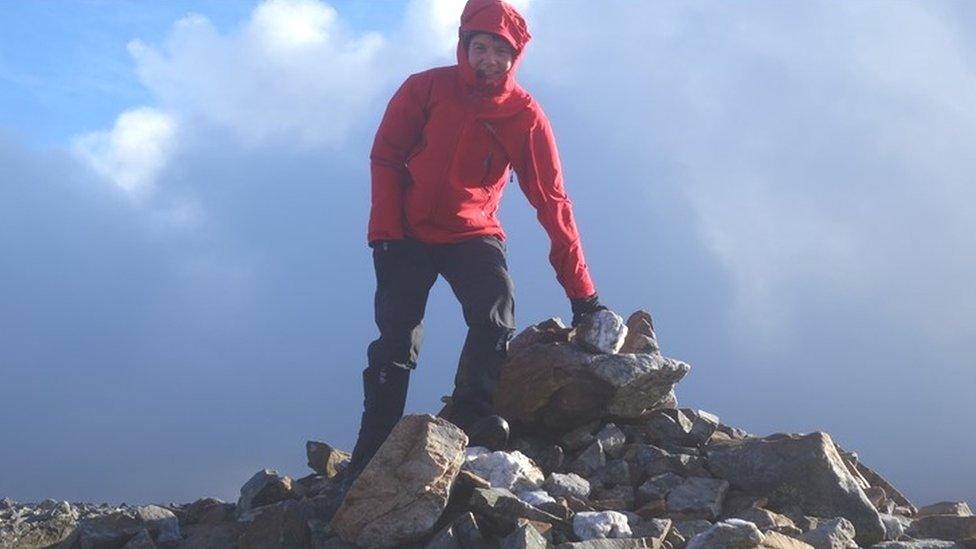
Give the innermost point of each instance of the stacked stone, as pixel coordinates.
(601, 457)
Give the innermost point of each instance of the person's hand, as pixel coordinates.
(583, 306)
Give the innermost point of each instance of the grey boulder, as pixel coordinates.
(799, 474)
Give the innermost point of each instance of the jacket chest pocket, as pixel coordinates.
(480, 160)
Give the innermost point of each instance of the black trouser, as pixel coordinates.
(477, 271)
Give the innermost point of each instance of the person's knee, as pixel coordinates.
(396, 351)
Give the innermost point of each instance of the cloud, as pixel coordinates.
(824, 147)
(293, 75)
(131, 154)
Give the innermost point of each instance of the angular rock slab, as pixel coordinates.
(463, 533)
(731, 533)
(833, 534)
(798, 473)
(775, 540)
(263, 488)
(524, 537)
(560, 387)
(918, 544)
(280, 525)
(404, 488)
(325, 459)
(640, 334)
(957, 508)
(698, 497)
(945, 527)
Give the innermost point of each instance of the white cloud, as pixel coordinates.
(131, 154)
(292, 74)
(820, 148)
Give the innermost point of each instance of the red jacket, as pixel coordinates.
(442, 154)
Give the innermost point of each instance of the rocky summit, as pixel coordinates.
(601, 457)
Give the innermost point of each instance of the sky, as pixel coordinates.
(185, 285)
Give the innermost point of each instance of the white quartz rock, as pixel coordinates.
(602, 525)
(602, 332)
(511, 470)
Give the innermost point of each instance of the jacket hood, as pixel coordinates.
(496, 17)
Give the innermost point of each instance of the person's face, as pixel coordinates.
(490, 56)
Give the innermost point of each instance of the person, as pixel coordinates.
(441, 157)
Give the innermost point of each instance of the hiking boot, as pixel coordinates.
(490, 432)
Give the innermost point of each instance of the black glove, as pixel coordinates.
(583, 306)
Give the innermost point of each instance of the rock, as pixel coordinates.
(524, 537)
(765, 519)
(324, 459)
(652, 509)
(703, 426)
(510, 470)
(776, 540)
(142, 540)
(837, 533)
(264, 488)
(463, 533)
(895, 526)
(161, 523)
(797, 473)
(549, 457)
(874, 479)
(505, 509)
(601, 332)
(640, 336)
(207, 510)
(667, 426)
(580, 437)
(615, 472)
(647, 457)
(535, 497)
(561, 387)
(559, 485)
(612, 439)
(690, 528)
(591, 460)
(280, 524)
(35, 528)
(211, 535)
(689, 465)
(918, 544)
(641, 382)
(658, 487)
(405, 487)
(549, 331)
(113, 529)
(945, 527)
(623, 496)
(606, 524)
(606, 544)
(653, 528)
(736, 501)
(731, 533)
(559, 508)
(698, 497)
(958, 508)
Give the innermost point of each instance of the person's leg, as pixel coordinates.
(404, 276)
(477, 271)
